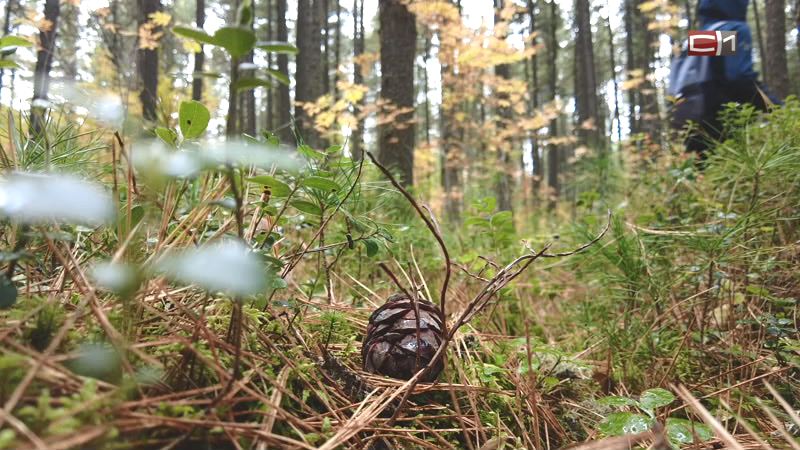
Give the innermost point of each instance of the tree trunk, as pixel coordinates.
(630, 65)
(148, 62)
(762, 52)
(44, 61)
(326, 47)
(586, 80)
(503, 180)
(613, 58)
(797, 44)
(357, 137)
(426, 88)
(69, 34)
(553, 159)
(284, 97)
(232, 119)
(309, 75)
(269, 120)
(248, 97)
(649, 117)
(199, 57)
(533, 92)
(10, 5)
(777, 64)
(337, 48)
(398, 38)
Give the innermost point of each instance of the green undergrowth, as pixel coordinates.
(693, 284)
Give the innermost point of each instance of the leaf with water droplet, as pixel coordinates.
(655, 398)
(682, 431)
(121, 279)
(619, 423)
(37, 198)
(228, 266)
(100, 361)
(193, 118)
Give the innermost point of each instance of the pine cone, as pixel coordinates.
(390, 346)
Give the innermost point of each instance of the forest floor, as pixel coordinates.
(671, 321)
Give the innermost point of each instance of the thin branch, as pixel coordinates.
(431, 226)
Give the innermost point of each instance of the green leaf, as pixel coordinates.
(620, 423)
(616, 401)
(277, 188)
(655, 398)
(679, 431)
(372, 247)
(237, 41)
(194, 34)
(322, 184)
(245, 14)
(334, 149)
(280, 76)
(309, 152)
(251, 83)
(6, 42)
(8, 64)
(167, 135)
(307, 207)
(278, 47)
(193, 118)
(8, 293)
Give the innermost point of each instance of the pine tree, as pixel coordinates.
(586, 80)
(284, 96)
(199, 57)
(309, 77)
(148, 58)
(44, 62)
(398, 38)
(777, 72)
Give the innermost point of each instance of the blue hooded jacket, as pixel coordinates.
(734, 14)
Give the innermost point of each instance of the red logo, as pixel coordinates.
(712, 43)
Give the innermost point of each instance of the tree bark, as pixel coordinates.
(269, 120)
(357, 137)
(533, 92)
(148, 64)
(613, 58)
(776, 62)
(199, 57)
(650, 116)
(398, 38)
(284, 97)
(326, 46)
(248, 97)
(337, 48)
(10, 4)
(308, 76)
(69, 34)
(232, 119)
(504, 178)
(44, 62)
(586, 80)
(553, 160)
(630, 65)
(762, 52)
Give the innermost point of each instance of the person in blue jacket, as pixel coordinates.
(702, 85)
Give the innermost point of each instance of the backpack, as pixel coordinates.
(692, 71)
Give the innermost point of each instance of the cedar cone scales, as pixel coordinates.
(390, 346)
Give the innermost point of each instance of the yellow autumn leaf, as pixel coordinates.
(648, 7)
(192, 46)
(160, 18)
